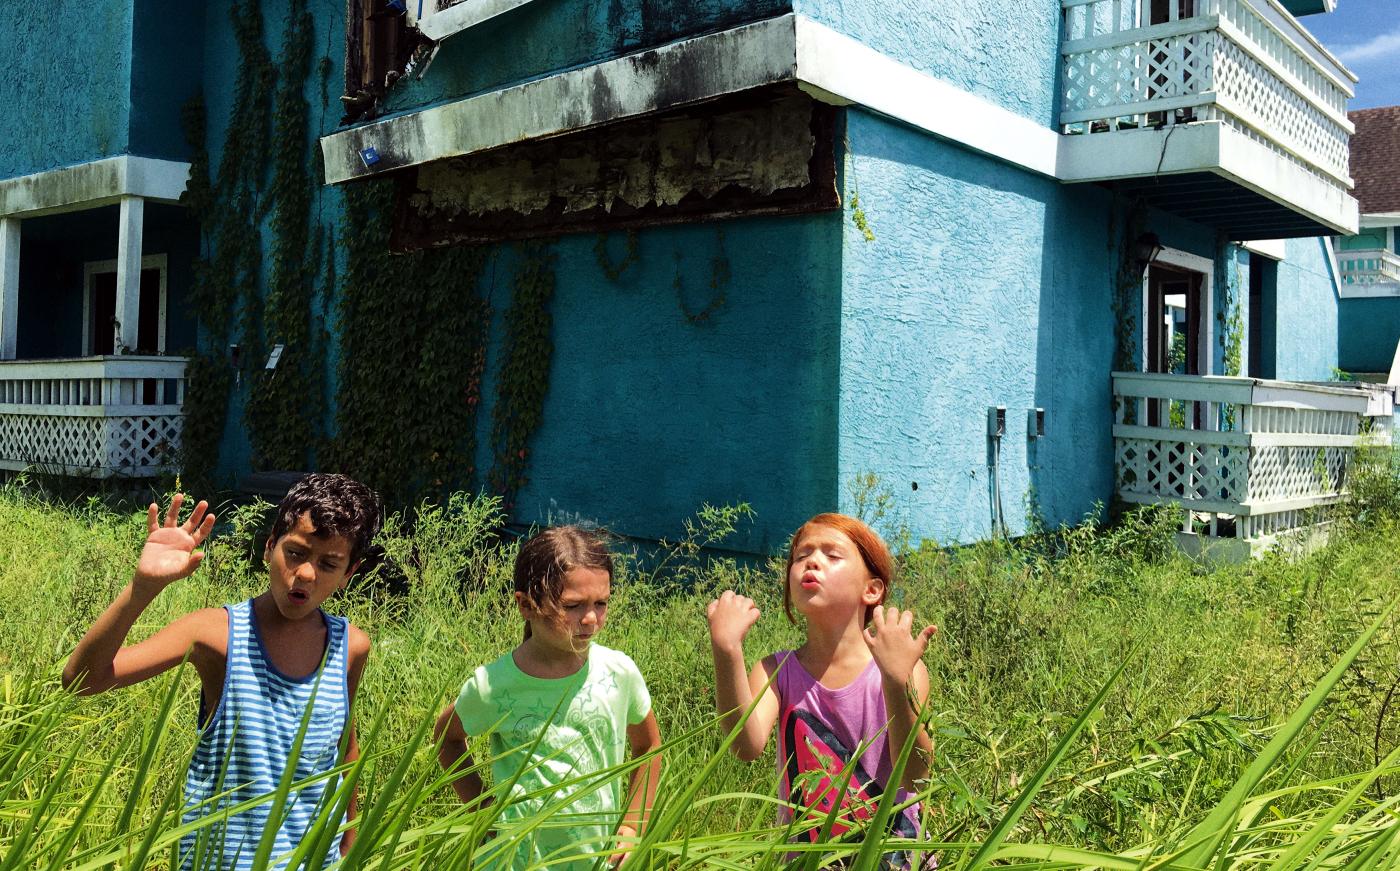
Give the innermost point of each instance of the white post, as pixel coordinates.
(133, 211)
(9, 286)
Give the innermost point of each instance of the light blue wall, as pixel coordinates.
(1006, 51)
(1306, 306)
(1367, 331)
(984, 286)
(65, 74)
(548, 36)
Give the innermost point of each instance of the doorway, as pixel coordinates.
(100, 307)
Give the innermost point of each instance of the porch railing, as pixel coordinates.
(1267, 456)
(92, 416)
(1372, 266)
(1247, 63)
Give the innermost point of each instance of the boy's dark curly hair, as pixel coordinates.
(337, 505)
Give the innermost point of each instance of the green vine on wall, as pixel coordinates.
(525, 367)
(284, 409)
(227, 275)
(718, 284)
(413, 331)
(1230, 316)
(614, 270)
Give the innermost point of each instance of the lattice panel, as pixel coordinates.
(1184, 471)
(1291, 473)
(1163, 69)
(1288, 118)
(133, 445)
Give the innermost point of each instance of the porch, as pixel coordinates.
(97, 417)
(1249, 461)
(1224, 111)
(1362, 268)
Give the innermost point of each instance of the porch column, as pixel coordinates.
(9, 286)
(133, 211)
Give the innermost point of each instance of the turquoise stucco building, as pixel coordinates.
(1369, 314)
(788, 244)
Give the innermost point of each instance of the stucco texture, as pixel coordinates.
(983, 286)
(1005, 51)
(66, 79)
(1305, 333)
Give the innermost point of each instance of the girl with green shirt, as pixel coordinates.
(556, 709)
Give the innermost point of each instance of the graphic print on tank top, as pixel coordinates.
(816, 759)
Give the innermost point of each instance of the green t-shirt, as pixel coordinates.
(585, 718)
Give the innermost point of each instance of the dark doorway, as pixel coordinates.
(102, 318)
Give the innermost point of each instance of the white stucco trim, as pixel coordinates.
(1380, 219)
(838, 65)
(1370, 291)
(1274, 249)
(790, 48)
(88, 185)
(439, 24)
(1207, 146)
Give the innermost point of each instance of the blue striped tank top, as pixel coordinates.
(248, 740)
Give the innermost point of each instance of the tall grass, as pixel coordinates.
(1096, 700)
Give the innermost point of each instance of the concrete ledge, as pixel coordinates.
(88, 185)
(828, 65)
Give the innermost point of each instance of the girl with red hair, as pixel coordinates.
(847, 700)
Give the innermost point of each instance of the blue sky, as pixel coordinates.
(1365, 35)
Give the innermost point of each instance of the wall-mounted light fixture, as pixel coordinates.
(1146, 249)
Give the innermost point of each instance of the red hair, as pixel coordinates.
(872, 548)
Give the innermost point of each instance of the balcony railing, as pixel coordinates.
(1373, 266)
(1265, 456)
(1247, 63)
(94, 416)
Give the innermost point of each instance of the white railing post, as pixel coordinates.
(9, 286)
(129, 232)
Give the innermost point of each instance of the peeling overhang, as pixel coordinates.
(438, 22)
(89, 185)
(831, 67)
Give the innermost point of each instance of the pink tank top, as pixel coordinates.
(820, 732)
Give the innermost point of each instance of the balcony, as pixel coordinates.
(1227, 112)
(98, 417)
(1365, 268)
(1249, 461)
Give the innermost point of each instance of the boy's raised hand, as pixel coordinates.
(894, 645)
(169, 553)
(731, 617)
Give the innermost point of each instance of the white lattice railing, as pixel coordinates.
(93, 416)
(1269, 456)
(1247, 63)
(1376, 266)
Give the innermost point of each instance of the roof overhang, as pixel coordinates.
(93, 184)
(1210, 172)
(830, 66)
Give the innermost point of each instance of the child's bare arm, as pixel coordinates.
(99, 662)
(643, 738)
(451, 739)
(731, 616)
(359, 654)
(904, 681)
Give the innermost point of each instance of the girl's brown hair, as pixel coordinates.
(547, 556)
(873, 552)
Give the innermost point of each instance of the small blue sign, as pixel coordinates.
(369, 156)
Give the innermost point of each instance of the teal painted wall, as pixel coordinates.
(1006, 51)
(1368, 238)
(165, 73)
(1367, 332)
(540, 38)
(1306, 305)
(984, 285)
(66, 77)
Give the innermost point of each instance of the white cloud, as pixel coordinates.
(1384, 46)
